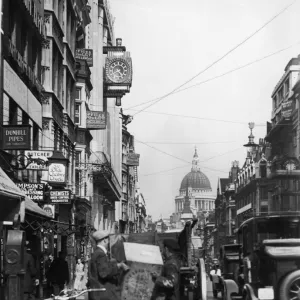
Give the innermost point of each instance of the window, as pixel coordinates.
(78, 94)
(77, 118)
(287, 86)
(280, 95)
(263, 169)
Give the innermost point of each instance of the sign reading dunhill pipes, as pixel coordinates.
(133, 159)
(85, 54)
(16, 137)
(60, 196)
(34, 191)
(95, 120)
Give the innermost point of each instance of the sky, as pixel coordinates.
(171, 42)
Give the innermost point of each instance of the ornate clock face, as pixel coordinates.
(118, 71)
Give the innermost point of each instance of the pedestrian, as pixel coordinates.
(30, 280)
(79, 273)
(167, 284)
(59, 273)
(48, 263)
(103, 272)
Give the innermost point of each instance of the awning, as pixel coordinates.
(9, 189)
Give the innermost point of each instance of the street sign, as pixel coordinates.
(133, 159)
(95, 120)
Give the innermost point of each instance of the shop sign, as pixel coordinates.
(38, 159)
(57, 173)
(287, 109)
(60, 196)
(133, 159)
(50, 210)
(16, 137)
(95, 120)
(85, 54)
(34, 191)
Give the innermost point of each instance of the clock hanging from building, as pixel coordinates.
(118, 71)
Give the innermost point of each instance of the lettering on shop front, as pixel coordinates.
(34, 191)
(16, 137)
(60, 196)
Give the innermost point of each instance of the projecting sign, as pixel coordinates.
(95, 120)
(287, 109)
(16, 137)
(85, 54)
(39, 159)
(50, 210)
(133, 159)
(60, 196)
(34, 191)
(57, 173)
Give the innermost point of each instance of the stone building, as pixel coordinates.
(199, 191)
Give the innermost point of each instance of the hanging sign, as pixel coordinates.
(85, 54)
(16, 137)
(133, 159)
(39, 159)
(60, 196)
(57, 173)
(287, 109)
(34, 191)
(50, 210)
(95, 120)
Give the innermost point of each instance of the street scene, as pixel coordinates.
(149, 150)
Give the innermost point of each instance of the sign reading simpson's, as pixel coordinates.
(95, 119)
(60, 196)
(16, 137)
(34, 191)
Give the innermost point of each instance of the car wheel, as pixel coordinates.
(290, 286)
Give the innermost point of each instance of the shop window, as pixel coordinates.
(77, 118)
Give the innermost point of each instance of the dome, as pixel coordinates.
(196, 180)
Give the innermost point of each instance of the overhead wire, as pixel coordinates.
(219, 59)
(219, 76)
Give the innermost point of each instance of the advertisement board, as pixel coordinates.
(133, 159)
(85, 54)
(60, 196)
(34, 191)
(95, 120)
(287, 109)
(39, 159)
(50, 210)
(57, 173)
(16, 137)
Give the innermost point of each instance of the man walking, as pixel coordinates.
(102, 272)
(30, 280)
(167, 285)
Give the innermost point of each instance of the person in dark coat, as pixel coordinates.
(58, 274)
(103, 272)
(48, 263)
(167, 285)
(30, 276)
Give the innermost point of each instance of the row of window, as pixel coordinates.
(281, 94)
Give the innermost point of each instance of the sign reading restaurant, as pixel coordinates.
(60, 196)
(34, 191)
(85, 54)
(16, 137)
(95, 120)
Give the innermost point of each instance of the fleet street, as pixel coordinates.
(149, 150)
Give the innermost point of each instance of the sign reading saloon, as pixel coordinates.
(95, 120)
(34, 191)
(133, 159)
(85, 54)
(16, 137)
(57, 173)
(60, 196)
